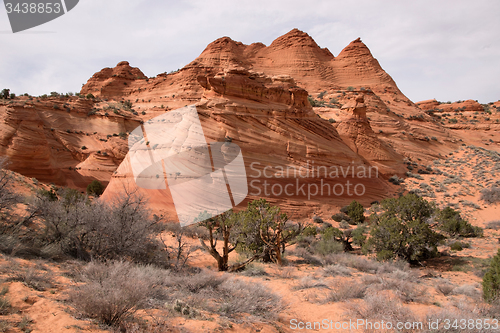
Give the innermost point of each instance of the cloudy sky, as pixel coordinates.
(447, 49)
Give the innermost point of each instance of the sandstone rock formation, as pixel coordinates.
(255, 95)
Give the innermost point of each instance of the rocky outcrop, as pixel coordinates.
(270, 119)
(63, 140)
(434, 106)
(113, 82)
(356, 132)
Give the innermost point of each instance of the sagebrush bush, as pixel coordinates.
(463, 311)
(324, 247)
(345, 291)
(445, 288)
(495, 225)
(336, 270)
(112, 292)
(240, 297)
(491, 195)
(377, 307)
(456, 246)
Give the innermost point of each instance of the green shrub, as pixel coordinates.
(491, 280)
(342, 237)
(453, 224)
(402, 230)
(95, 188)
(340, 216)
(5, 94)
(456, 246)
(265, 231)
(51, 195)
(356, 212)
(90, 96)
(325, 247)
(358, 236)
(310, 230)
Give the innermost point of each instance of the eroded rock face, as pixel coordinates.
(433, 105)
(356, 132)
(61, 140)
(279, 134)
(113, 82)
(254, 95)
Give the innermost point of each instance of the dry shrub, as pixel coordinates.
(4, 326)
(4, 301)
(467, 290)
(336, 270)
(463, 310)
(491, 195)
(112, 292)
(363, 264)
(346, 291)
(309, 282)
(33, 278)
(239, 297)
(255, 269)
(306, 257)
(445, 288)
(285, 273)
(399, 282)
(198, 282)
(495, 225)
(378, 307)
(221, 294)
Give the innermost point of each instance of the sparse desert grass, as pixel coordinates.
(24, 324)
(33, 278)
(4, 305)
(285, 273)
(4, 301)
(157, 325)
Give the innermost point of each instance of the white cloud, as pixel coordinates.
(447, 50)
